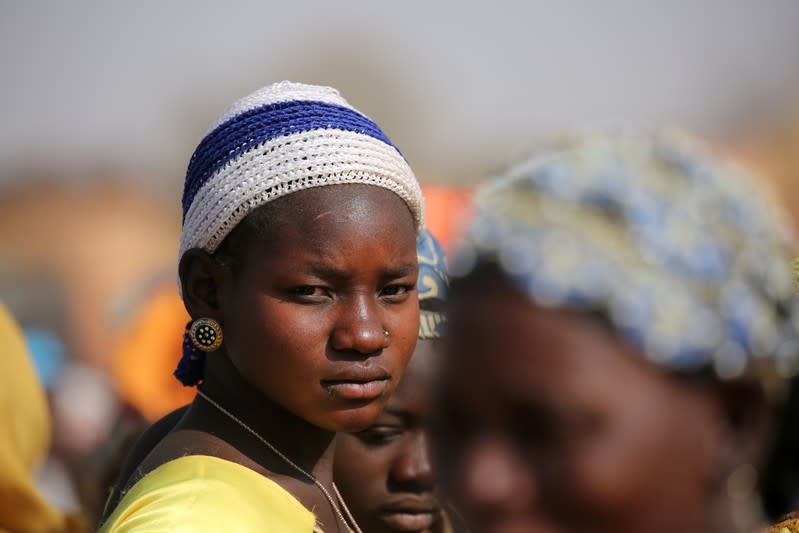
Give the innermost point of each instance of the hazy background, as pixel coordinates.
(102, 103)
(132, 86)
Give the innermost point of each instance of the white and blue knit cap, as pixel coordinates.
(281, 139)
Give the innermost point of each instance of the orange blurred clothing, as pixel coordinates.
(447, 210)
(148, 352)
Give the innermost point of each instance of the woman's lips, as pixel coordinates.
(411, 514)
(356, 390)
(357, 382)
(398, 520)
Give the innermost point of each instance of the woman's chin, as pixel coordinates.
(355, 418)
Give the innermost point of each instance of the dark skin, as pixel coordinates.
(139, 450)
(551, 423)
(303, 299)
(385, 472)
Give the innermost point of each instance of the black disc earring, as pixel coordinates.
(206, 334)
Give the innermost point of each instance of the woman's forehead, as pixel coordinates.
(500, 335)
(335, 243)
(318, 216)
(317, 206)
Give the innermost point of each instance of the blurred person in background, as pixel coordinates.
(298, 267)
(92, 431)
(82, 405)
(24, 441)
(781, 475)
(622, 328)
(146, 351)
(385, 472)
(144, 355)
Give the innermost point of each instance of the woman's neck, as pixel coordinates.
(306, 445)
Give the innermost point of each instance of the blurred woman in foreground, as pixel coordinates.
(623, 322)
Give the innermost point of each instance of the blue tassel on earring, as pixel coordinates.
(191, 367)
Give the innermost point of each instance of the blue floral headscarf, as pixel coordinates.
(431, 285)
(680, 251)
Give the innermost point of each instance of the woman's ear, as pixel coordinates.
(201, 279)
(746, 420)
(740, 441)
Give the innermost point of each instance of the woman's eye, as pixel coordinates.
(396, 290)
(307, 290)
(379, 435)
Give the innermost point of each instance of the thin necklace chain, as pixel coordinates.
(346, 510)
(293, 465)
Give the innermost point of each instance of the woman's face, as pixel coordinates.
(384, 472)
(322, 314)
(551, 424)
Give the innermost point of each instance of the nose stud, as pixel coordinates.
(386, 334)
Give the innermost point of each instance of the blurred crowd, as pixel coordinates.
(92, 326)
(103, 321)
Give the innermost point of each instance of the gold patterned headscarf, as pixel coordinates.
(788, 525)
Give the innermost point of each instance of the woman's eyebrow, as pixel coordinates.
(330, 272)
(326, 271)
(401, 271)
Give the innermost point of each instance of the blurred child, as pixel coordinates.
(385, 472)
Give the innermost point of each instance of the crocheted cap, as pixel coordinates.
(281, 139)
(679, 250)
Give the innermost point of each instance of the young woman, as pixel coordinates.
(298, 266)
(622, 325)
(385, 472)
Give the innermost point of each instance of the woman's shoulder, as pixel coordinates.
(178, 444)
(199, 493)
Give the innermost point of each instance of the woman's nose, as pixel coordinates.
(495, 480)
(412, 467)
(359, 328)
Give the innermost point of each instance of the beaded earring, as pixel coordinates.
(201, 336)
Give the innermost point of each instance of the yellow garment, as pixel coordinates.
(200, 493)
(24, 437)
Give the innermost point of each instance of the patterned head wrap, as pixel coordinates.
(680, 251)
(281, 139)
(431, 285)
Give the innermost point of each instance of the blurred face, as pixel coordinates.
(322, 314)
(384, 471)
(551, 424)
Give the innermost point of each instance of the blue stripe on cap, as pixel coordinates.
(261, 124)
